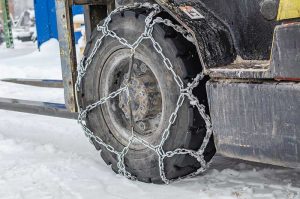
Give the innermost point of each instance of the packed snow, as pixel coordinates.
(43, 157)
(79, 18)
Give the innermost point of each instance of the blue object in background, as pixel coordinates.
(45, 17)
(77, 10)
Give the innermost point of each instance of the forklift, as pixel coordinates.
(164, 85)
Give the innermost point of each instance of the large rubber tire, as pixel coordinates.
(189, 128)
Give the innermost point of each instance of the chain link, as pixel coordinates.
(185, 93)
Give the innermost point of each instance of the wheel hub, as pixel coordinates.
(144, 100)
(140, 107)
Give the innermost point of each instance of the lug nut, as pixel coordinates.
(126, 115)
(142, 107)
(143, 68)
(126, 76)
(142, 125)
(142, 94)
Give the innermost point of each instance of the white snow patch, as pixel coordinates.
(36, 65)
(79, 18)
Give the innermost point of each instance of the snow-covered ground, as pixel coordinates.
(44, 158)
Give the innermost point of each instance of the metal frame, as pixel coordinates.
(67, 51)
(7, 24)
(68, 61)
(94, 12)
(40, 108)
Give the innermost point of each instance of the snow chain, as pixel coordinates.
(185, 92)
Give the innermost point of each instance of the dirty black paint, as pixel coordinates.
(252, 32)
(257, 121)
(230, 27)
(284, 63)
(213, 38)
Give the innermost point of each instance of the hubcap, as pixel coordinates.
(145, 99)
(143, 96)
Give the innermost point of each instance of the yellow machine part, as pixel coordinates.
(288, 9)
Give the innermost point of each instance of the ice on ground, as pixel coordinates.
(43, 157)
(38, 64)
(21, 49)
(33, 64)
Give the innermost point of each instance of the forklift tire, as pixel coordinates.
(107, 72)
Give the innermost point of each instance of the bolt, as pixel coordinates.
(126, 115)
(126, 76)
(142, 107)
(143, 68)
(155, 102)
(134, 82)
(142, 125)
(121, 105)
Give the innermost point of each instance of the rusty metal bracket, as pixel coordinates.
(67, 51)
(67, 43)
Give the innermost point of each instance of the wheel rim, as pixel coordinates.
(146, 99)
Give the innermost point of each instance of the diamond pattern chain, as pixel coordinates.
(185, 93)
